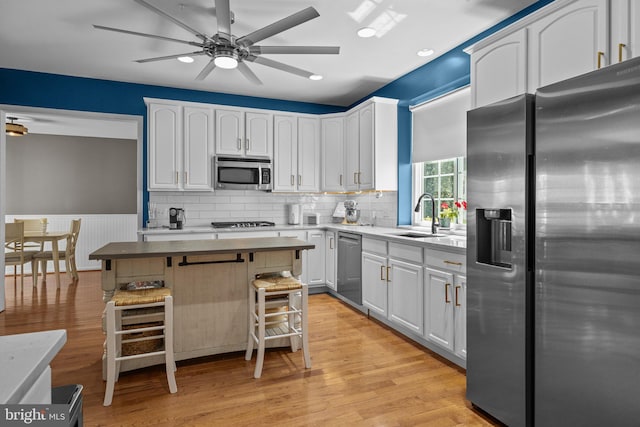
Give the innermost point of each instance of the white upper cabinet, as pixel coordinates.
(625, 30)
(296, 153)
(371, 146)
(499, 71)
(568, 42)
(180, 146)
(243, 133)
(332, 142)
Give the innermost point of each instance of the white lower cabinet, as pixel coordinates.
(313, 260)
(392, 283)
(331, 259)
(445, 301)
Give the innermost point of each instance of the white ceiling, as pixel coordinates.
(58, 37)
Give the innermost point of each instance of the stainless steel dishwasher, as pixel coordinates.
(349, 266)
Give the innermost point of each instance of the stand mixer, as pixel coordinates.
(351, 213)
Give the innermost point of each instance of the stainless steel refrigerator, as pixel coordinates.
(553, 253)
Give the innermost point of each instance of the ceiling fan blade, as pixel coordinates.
(279, 65)
(250, 75)
(181, 24)
(223, 16)
(206, 70)
(278, 26)
(162, 58)
(276, 50)
(153, 36)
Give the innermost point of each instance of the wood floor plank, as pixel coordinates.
(363, 373)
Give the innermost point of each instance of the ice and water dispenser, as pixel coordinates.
(494, 237)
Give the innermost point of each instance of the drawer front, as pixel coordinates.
(374, 245)
(446, 260)
(406, 252)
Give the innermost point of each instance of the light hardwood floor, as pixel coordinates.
(363, 373)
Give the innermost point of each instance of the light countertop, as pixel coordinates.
(444, 240)
(23, 358)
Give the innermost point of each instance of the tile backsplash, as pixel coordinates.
(379, 208)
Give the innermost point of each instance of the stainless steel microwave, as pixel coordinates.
(234, 173)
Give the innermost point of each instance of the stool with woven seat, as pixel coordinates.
(267, 293)
(117, 336)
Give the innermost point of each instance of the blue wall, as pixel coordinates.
(444, 74)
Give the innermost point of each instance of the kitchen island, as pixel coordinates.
(209, 281)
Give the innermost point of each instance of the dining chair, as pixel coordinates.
(69, 254)
(33, 225)
(15, 253)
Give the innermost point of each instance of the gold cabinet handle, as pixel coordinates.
(186, 177)
(293, 180)
(331, 243)
(177, 177)
(600, 56)
(382, 272)
(355, 177)
(457, 288)
(239, 144)
(299, 180)
(246, 144)
(341, 180)
(621, 47)
(359, 180)
(446, 293)
(388, 280)
(446, 261)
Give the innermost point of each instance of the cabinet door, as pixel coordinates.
(308, 155)
(367, 141)
(499, 71)
(330, 259)
(259, 134)
(285, 153)
(460, 316)
(165, 145)
(332, 154)
(374, 282)
(316, 258)
(438, 306)
(198, 147)
(625, 30)
(568, 42)
(352, 151)
(406, 295)
(229, 132)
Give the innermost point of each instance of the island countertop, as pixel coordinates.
(119, 250)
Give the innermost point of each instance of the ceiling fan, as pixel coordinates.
(229, 51)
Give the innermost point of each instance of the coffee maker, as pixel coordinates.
(176, 218)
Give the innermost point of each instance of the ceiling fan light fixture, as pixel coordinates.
(225, 58)
(316, 77)
(185, 59)
(366, 32)
(15, 129)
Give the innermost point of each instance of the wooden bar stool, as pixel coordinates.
(138, 300)
(272, 292)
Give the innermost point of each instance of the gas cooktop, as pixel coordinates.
(242, 224)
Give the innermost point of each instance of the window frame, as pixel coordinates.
(459, 187)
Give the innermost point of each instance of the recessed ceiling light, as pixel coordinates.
(366, 32)
(425, 52)
(315, 77)
(185, 59)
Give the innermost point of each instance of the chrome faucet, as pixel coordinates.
(434, 219)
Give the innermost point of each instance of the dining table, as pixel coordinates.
(53, 237)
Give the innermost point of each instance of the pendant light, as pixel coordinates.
(15, 129)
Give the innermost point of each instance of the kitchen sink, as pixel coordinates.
(414, 235)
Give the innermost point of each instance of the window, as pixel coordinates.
(446, 180)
